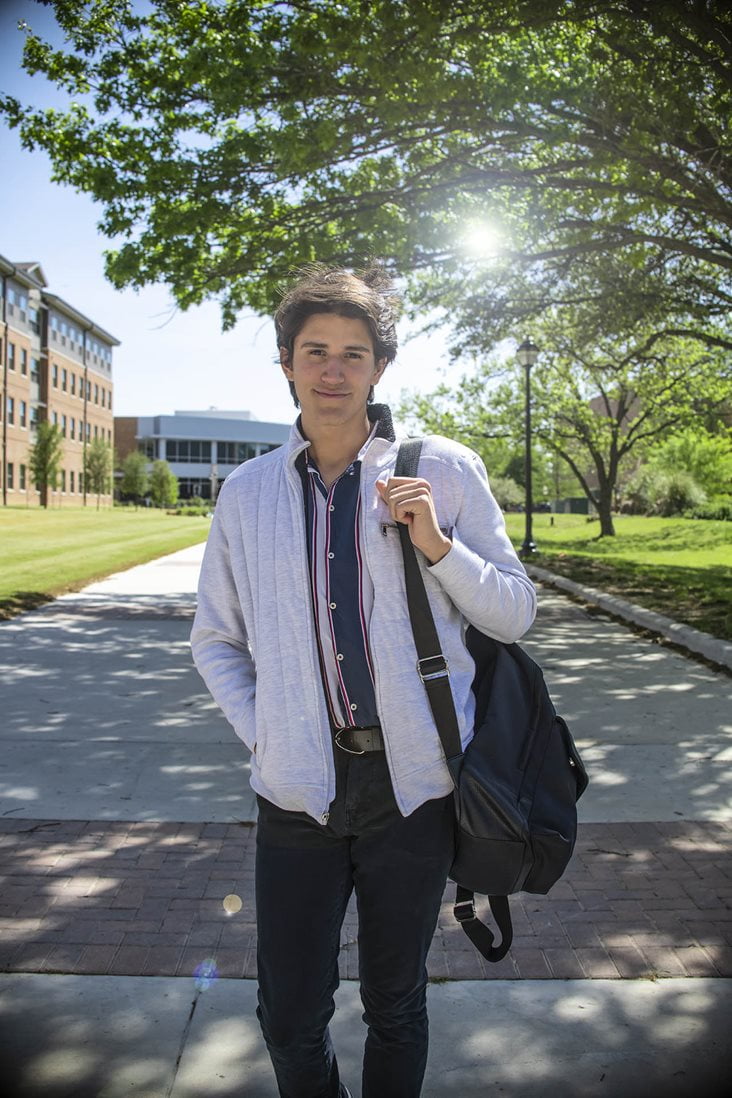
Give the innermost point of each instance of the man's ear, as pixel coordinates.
(285, 363)
(379, 369)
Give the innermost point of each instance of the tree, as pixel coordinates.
(163, 485)
(135, 479)
(44, 459)
(98, 467)
(228, 141)
(592, 405)
(705, 456)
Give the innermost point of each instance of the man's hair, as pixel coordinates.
(367, 296)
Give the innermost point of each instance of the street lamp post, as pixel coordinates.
(527, 355)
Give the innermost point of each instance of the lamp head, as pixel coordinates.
(527, 353)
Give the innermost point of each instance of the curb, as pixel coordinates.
(704, 644)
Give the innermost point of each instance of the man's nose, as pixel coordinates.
(333, 368)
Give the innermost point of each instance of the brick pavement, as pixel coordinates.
(639, 900)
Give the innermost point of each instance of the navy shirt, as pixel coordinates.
(342, 595)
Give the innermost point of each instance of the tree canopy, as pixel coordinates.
(44, 459)
(480, 147)
(592, 405)
(98, 467)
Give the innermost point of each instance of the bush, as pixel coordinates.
(654, 491)
(507, 492)
(204, 510)
(719, 508)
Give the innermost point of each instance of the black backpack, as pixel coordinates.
(520, 777)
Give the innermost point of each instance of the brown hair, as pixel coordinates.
(368, 296)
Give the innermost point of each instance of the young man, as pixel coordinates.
(303, 637)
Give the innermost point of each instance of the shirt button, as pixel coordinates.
(330, 556)
(354, 707)
(331, 507)
(339, 656)
(332, 605)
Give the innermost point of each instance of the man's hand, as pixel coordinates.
(409, 500)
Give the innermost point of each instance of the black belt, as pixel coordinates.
(359, 741)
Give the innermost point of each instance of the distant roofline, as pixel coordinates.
(87, 324)
(22, 271)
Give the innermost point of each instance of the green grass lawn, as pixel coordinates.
(679, 567)
(44, 553)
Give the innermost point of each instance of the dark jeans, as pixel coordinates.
(305, 873)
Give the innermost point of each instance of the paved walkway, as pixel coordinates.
(639, 900)
(126, 819)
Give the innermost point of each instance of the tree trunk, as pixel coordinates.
(605, 513)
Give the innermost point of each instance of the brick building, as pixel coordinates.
(56, 365)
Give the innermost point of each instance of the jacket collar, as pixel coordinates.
(377, 413)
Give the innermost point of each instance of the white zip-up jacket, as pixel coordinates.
(253, 636)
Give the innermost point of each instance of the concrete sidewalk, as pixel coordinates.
(126, 818)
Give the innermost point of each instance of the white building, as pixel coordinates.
(201, 447)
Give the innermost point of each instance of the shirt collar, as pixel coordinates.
(379, 415)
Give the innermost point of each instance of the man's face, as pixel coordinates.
(333, 367)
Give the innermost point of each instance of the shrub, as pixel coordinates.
(507, 492)
(719, 508)
(654, 491)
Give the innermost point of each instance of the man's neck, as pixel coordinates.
(334, 448)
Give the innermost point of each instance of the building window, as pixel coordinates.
(71, 480)
(55, 419)
(73, 385)
(96, 394)
(11, 409)
(233, 453)
(96, 431)
(11, 355)
(33, 417)
(63, 480)
(64, 378)
(34, 320)
(10, 475)
(21, 478)
(54, 375)
(23, 361)
(23, 414)
(35, 370)
(63, 426)
(188, 451)
(72, 428)
(188, 487)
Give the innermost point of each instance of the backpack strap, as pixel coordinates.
(433, 669)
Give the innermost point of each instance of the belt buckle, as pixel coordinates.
(348, 750)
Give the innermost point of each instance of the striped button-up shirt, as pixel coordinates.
(342, 594)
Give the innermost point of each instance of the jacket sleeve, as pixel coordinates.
(219, 642)
(481, 573)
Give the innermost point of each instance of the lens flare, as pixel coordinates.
(205, 974)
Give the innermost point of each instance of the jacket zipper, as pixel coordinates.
(325, 816)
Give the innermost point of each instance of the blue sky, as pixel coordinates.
(167, 360)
